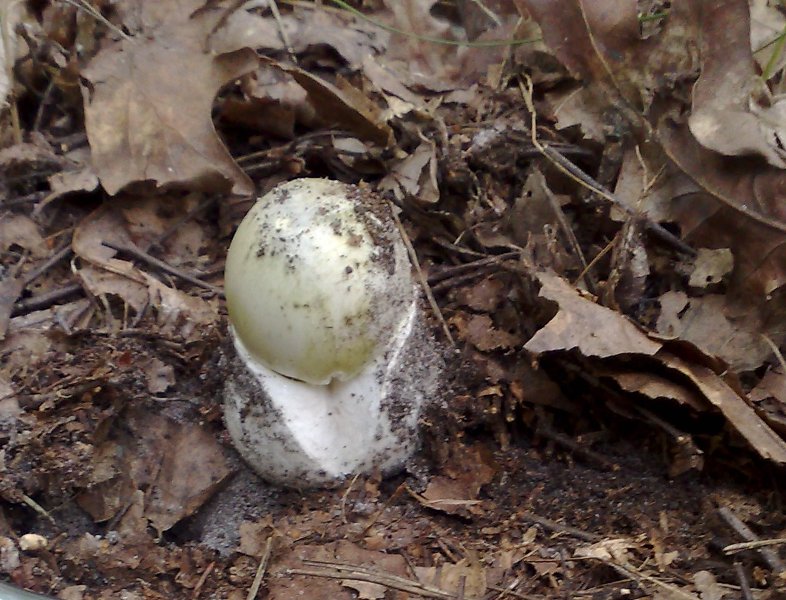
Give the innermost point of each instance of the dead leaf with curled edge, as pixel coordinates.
(745, 210)
(469, 468)
(180, 465)
(703, 322)
(148, 103)
(599, 41)
(415, 176)
(732, 113)
(600, 333)
(341, 105)
(580, 323)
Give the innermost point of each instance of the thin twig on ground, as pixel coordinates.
(45, 300)
(424, 284)
(745, 587)
(745, 532)
(202, 580)
(362, 573)
(160, 264)
(574, 172)
(555, 527)
(254, 589)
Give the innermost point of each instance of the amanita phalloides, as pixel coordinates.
(331, 361)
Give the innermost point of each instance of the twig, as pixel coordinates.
(745, 588)
(449, 272)
(550, 525)
(32, 197)
(160, 264)
(674, 591)
(564, 441)
(37, 507)
(282, 30)
(510, 590)
(424, 38)
(454, 247)
(85, 6)
(345, 497)
(775, 350)
(202, 580)
(424, 284)
(254, 589)
(589, 281)
(45, 99)
(734, 548)
(361, 573)
(61, 254)
(575, 173)
(45, 300)
(382, 509)
(770, 557)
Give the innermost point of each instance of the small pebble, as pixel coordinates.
(32, 542)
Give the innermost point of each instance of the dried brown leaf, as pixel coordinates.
(704, 322)
(467, 576)
(192, 468)
(178, 313)
(415, 176)
(734, 407)
(580, 323)
(746, 212)
(148, 102)
(731, 112)
(346, 108)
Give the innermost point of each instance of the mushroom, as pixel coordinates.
(330, 360)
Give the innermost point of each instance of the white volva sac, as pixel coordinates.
(330, 361)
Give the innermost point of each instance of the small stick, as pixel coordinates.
(449, 272)
(45, 300)
(37, 507)
(564, 441)
(202, 580)
(254, 589)
(744, 586)
(160, 264)
(61, 254)
(734, 548)
(282, 30)
(550, 525)
(574, 172)
(589, 281)
(770, 557)
(426, 289)
(384, 507)
(345, 497)
(775, 350)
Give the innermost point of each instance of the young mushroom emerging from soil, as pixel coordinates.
(330, 361)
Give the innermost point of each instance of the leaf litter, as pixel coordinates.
(615, 281)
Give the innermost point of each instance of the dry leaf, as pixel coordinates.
(728, 113)
(580, 323)
(463, 575)
(733, 406)
(148, 103)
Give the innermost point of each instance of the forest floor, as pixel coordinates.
(595, 192)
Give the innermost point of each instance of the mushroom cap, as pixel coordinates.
(317, 280)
